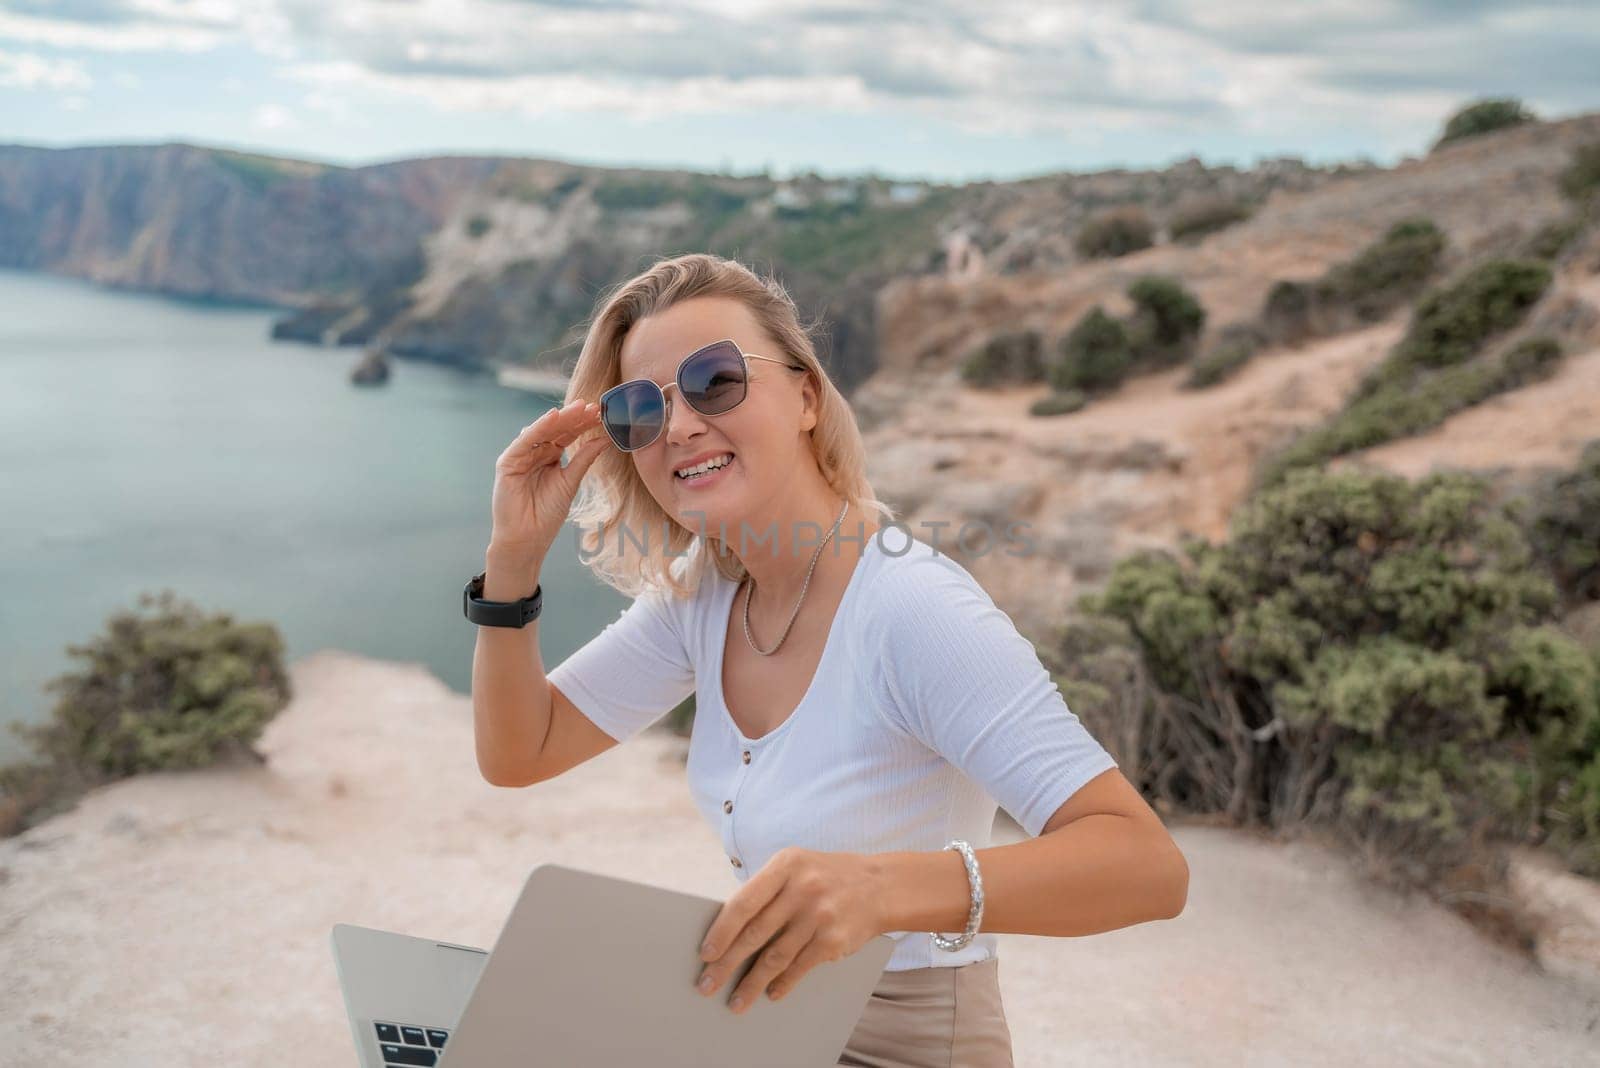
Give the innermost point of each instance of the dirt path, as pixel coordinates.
(173, 917)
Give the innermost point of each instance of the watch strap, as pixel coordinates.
(499, 613)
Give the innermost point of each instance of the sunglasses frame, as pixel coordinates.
(677, 377)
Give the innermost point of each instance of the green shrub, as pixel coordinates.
(630, 194)
(1404, 407)
(1581, 179)
(1422, 730)
(478, 225)
(1451, 322)
(1529, 360)
(1366, 652)
(1551, 687)
(1095, 355)
(1010, 357)
(709, 197)
(1096, 663)
(834, 241)
(1552, 239)
(1573, 814)
(1387, 273)
(1485, 116)
(562, 189)
(1059, 402)
(1286, 314)
(1115, 232)
(1565, 527)
(1383, 276)
(171, 690)
(1235, 345)
(1205, 215)
(1166, 321)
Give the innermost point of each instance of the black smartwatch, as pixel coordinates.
(499, 613)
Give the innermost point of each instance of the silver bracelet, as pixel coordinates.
(975, 914)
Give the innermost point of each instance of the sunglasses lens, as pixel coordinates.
(713, 379)
(633, 414)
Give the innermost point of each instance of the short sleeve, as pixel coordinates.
(634, 671)
(960, 677)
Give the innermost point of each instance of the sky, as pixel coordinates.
(915, 89)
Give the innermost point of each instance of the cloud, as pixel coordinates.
(24, 70)
(334, 106)
(98, 37)
(1457, 47)
(1009, 66)
(274, 117)
(144, 25)
(537, 95)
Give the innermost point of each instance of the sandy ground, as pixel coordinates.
(183, 918)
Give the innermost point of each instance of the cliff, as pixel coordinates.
(481, 261)
(214, 224)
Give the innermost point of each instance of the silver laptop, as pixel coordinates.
(588, 970)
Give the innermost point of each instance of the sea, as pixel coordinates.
(150, 443)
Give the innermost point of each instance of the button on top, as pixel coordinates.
(735, 862)
(747, 756)
(727, 806)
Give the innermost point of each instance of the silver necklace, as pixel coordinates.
(807, 585)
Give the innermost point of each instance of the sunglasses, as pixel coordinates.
(712, 380)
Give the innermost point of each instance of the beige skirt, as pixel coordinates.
(933, 1018)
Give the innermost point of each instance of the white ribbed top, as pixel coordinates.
(927, 709)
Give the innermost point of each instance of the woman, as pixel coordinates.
(860, 711)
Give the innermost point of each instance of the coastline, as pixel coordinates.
(544, 382)
(198, 905)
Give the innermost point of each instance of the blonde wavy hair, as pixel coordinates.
(613, 509)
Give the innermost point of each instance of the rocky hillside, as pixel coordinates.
(209, 223)
(478, 261)
(1154, 461)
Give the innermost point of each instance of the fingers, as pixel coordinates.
(544, 439)
(583, 459)
(752, 898)
(559, 425)
(814, 953)
(777, 959)
(753, 936)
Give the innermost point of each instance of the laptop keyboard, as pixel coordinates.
(403, 1044)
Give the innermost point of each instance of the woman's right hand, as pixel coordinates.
(533, 493)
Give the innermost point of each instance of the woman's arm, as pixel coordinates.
(510, 694)
(1103, 861)
(953, 671)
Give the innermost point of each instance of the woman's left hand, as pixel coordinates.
(820, 906)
